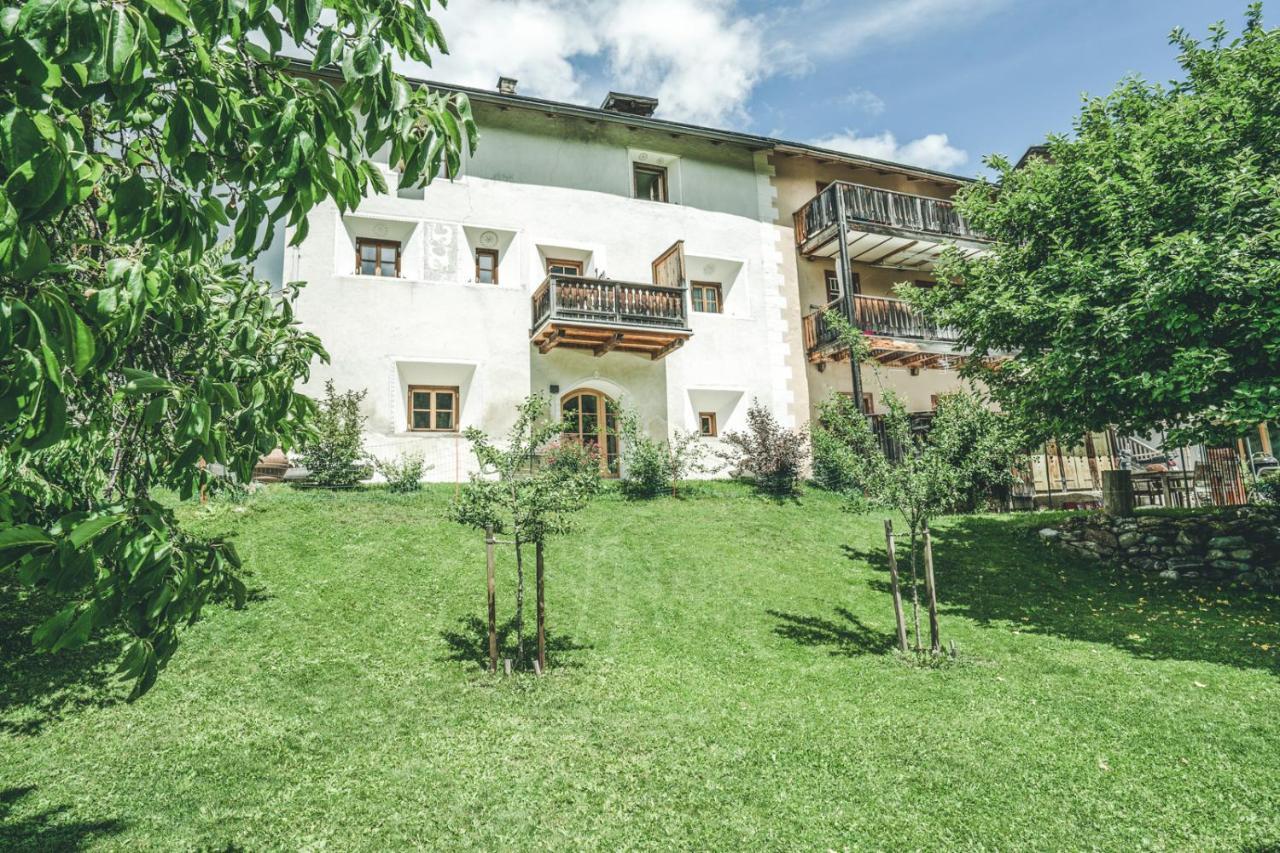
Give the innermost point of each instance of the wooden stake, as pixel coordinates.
(893, 583)
(935, 640)
(489, 558)
(541, 663)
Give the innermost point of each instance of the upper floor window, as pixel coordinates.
(487, 266)
(433, 409)
(833, 285)
(560, 267)
(377, 257)
(706, 297)
(650, 181)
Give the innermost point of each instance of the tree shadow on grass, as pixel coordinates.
(49, 829)
(469, 643)
(847, 635)
(996, 572)
(37, 687)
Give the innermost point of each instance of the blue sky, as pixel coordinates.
(935, 82)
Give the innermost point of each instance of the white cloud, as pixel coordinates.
(841, 28)
(933, 151)
(534, 42)
(700, 58)
(861, 99)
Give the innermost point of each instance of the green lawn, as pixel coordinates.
(721, 679)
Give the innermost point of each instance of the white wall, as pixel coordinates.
(434, 323)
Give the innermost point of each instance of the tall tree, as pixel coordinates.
(1135, 272)
(131, 132)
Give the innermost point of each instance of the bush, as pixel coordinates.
(983, 446)
(404, 473)
(647, 472)
(838, 441)
(1266, 490)
(774, 457)
(652, 467)
(334, 454)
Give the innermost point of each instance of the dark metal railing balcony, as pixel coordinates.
(879, 316)
(880, 209)
(622, 304)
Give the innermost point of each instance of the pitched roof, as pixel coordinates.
(747, 140)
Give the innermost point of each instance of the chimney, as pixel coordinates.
(632, 105)
(506, 85)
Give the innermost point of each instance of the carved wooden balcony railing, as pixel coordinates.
(603, 315)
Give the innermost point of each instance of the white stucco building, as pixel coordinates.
(596, 256)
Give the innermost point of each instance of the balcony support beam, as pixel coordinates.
(671, 347)
(609, 345)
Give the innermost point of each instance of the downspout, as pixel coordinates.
(846, 289)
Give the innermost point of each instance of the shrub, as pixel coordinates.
(651, 466)
(647, 472)
(774, 457)
(404, 473)
(983, 446)
(837, 444)
(334, 454)
(1267, 489)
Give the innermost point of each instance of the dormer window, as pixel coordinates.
(377, 257)
(650, 181)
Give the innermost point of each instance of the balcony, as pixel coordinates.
(882, 227)
(602, 316)
(899, 335)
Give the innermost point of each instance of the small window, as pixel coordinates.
(706, 297)
(833, 286)
(377, 257)
(707, 424)
(433, 409)
(933, 402)
(558, 267)
(650, 181)
(868, 403)
(486, 266)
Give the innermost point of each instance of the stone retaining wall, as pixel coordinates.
(1241, 544)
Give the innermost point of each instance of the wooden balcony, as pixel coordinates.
(602, 315)
(882, 227)
(899, 335)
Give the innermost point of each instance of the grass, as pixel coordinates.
(721, 678)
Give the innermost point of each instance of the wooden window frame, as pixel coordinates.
(663, 183)
(710, 417)
(433, 390)
(830, 277)
(705, 286)
(868, 403)
(560, 262)
(487, 253)
(379, 244)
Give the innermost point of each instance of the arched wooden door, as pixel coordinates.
(592, 418)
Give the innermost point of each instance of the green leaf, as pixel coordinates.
(87, 530)
(175, 9)
(366, 60)
(23, 536)
(121, 41)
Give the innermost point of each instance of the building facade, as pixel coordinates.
(608, 259)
